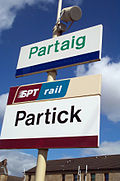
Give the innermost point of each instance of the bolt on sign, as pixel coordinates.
(79, 47)
(59, 114)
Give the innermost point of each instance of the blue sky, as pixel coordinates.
(23, 22)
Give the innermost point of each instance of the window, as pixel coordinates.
(75, 177)
(106, 177)
(92, 176)
(63, 177)
(29, 178)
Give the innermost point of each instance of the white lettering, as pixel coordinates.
(27, 93)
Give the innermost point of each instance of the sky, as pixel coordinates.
(23, 22)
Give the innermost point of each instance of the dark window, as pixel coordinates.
(106, 177)
(75, 177)
(92, 176)
(29, 178)
(63, 177)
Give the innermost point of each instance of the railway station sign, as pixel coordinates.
(75, 48)
(59, 114)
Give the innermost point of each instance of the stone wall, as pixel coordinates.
(3, 177)
(99, 177)
(53, 177)
(69, 177)
(114, 176)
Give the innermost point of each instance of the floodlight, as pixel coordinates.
(72, 13)
(69, 14)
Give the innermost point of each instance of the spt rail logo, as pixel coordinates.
(27, 93)
(53, 90)
(43, 91)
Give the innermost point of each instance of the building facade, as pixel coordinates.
(3, 170)
(100, 168)
(4, 173)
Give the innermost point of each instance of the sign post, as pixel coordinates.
(41, 165)
(42, 153)
(55, 114)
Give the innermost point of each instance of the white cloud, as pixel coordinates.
(17, 161)
(106, 148)
(74, 2)
(9, 9)
(110, 85)
(3, 102)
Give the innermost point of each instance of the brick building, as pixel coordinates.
(100, 168)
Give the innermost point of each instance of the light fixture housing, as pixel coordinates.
(72, 13)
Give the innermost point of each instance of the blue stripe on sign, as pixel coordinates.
(59, 63)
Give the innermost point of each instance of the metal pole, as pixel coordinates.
(52, 74)
(41, 165)
(86, 172)
(42, 153)
(59, 9)
(79, 173)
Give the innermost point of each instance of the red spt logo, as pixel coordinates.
(27, 93)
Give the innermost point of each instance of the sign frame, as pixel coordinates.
(60, 52)
(87, 141)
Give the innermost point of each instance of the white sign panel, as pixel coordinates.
(61, 118)
(71, 49)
